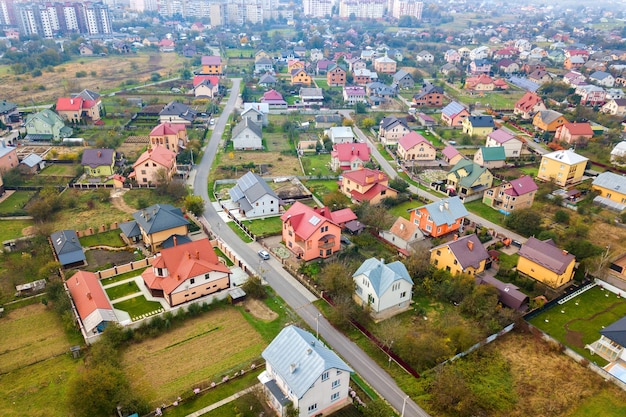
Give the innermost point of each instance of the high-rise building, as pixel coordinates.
(411, 8)
(362, 9)
(53, 19)
(7, 13)
(318, 8)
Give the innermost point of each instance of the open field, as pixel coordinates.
(110, 72)
(122, 290)
(265, 227)
(60, 170)
(109, 238)
(211, 338)
(477, 207)
(277, 164)
(316, 164)
(12, 229)
(86, 212)
(14, 205)
(579, 321)
(404, 209)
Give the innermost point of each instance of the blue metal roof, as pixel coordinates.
(300, 359)
(382, 275)
(67, 247)
(443, 213)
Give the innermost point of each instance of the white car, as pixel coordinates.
(263, 254)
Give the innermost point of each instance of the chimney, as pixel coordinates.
(456, 237)
(401, 226)
(197, 254)
(99, 154)
(309, 351)
(178, 277)
(89, 296)
(188, 255)
(175, 240)
(440, 206)
(446, 205)
(470, 245)
(565, 252)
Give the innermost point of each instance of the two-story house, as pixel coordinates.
(349, 156)
(415, 147)
(548, 120)
(478, 125)
(98, 162)
(156, 224)
(403, 79)
(453, 114)
(463, 255)
(300, 77)
(430, 95)
(564, 167)
(490, 157)
(8, 157)
(501, 138)
(440, 217)
(354, 94)
(391, 129)
(573, 133)
(611, 189)
(511, 195)
(254, 197)
(46, 125)
(154, 165)
(385, 65)
(212, 65)
(247, 135)
(336, 76)
(172, 136)
(302, 374)
(467, 178)
(528, 105)
(545, 262)
(308, 234)
(366, 185)
(386, 288)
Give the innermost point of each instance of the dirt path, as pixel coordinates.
(117, 198)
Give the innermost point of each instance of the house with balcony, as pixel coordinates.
(308, 234)
(543, 261)
(548, 120)
(155, 164)
(528, 105)
(468, 178)
(415, 147)
(354, 94)
(462, 255)
(591, 95)
(511, 195)
(46, 125)
(564, 167)
(611, 347)
(172, 136)
(85, 106)
(349, 156)
(366, 185)
(440, 217)
(311, 96)
(98, 162)
(385, 288)
(385, 65)
(303, 374)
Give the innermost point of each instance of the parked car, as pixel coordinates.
(263, 254)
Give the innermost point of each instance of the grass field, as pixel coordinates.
(138, 306)
(495, 100)
(59, 170)
(12, 229)
(108, 238)
(122, 277)
(404, 209)
(14, 204)
(211, 338)
(321, 187)
(122, 290)
(477, 207)
(317, 165)
(579, 321)
(239, 232)
(142, 198)
(85, 212)
(270, 226)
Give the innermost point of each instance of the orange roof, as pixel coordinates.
(528, 101)
(369, 194)
(183, 262)
(159, 154)
(305, 220)
(361, 176)
(578, 128)
(87, 293)
(69, 104)
(167, 129)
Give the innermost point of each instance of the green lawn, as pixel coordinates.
(434, 139)
(61, 170)
(12, 229)
(221, 254)
(321, 82)
(404, 209)
(384, 152)
(122, 290)
(477, 207)
(142, 198)
(508, 261)
(239, 232)
(239, 53)
(108, 238)
(586, 314)
(530, 170)
(603, 404)
(321, 187)
(122, 277)
(138, 306)
(14, 204)
(317, 165)
(270, 226)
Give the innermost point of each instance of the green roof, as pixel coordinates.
(474, 172)
(493, 153)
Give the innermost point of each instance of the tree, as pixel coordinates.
(399, 184)
(155, 76)
(418, 262)
(336, 200)
(336, 280)
(254, 288)
(561, 216)
(526, 222)
(194, 204)
(360, 108)
(367, 123)
(376, 408)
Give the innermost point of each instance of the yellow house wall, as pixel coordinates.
(553, 168)
(446, 259)
(614, 195)
(155, 239)
(542, 274)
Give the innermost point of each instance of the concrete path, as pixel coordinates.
(226, 400)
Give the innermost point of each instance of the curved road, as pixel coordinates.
(296, 296)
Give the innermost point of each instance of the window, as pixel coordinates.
(207, 276)
(438, 252)
(456, 262)
(312, 408)
(192, 281)
(403, 294)
(336, 383)
(429, 227)
(325, 376)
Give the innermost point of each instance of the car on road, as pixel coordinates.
(263, 254)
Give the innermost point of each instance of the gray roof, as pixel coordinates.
(616, 332)
(267, 79)
(300, 359)
(159, 217)
(401, 74)
(546, 254)
(382, 275)
(98, 157)
(391, 121)
(611, 181)
(467, 250)
(315, 93)
(508, 294)
(249, 189)
(32, 160)
(328, 118)
(67, 247)
(247, 122)
(174, 108)
(130, 229)
(7, 107)
(87, 95)
(453, 108)
(548, 116)
(443, 213)
(600, 75)
(175, 240)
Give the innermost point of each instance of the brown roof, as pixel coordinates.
(404, 229)
(546, 254)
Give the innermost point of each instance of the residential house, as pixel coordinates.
(214, 79)
(618, 153)
(463, 255)
(512, 145)
(263, 65)
(206, 88)
(85, 50)
(386, 289)
(484, 82)
(267, 80)
(366, 185)
(157, 223)
(611, 189)
(324, 121)
(92, 304)
(212, 65)
(247, 135)
(464, 52)
(614, 94)
(479, 66)
(440, 217)
(564, 167)
(300, 77)
(452, 57)
(381, 90)
(548, 120)
(67, 249)
(573, 133)
(403, 234)
(528, 105)
(511, 195)
(403, 79)
(591, 95)
(167, 45)
(308, 234)
(341, 134)
(391, 129)
(354, 94)
(450, 155)
(507, 66)
(294, 64)
(310, 96)
(467, 178)
(399, 56)
(574, 78)
(540, 77)
(356, 64)
(414, 147)
(85, 106)
(611, 347)
(302, 373)
(545, 262)
(430, 95)
(425, 56)
(574, 62)
(46, 125)
(615, 107)
(189, 51)
(449, 69)
(8, 112)
(385, 65)
(454, 114)
(602, 78)
(336, 76)
(481, 52)
(425, 120)
(8, 157)
(349, 156)
(321, 66)
(490, 157)
(254, 197)
(156, 164)
(176, 112)
(478, 125)
(274, 99)
(363, 76)
(172, 136)
(98, 162)
(32, 164)
(255, 115)
(316, 55)
(185, 272)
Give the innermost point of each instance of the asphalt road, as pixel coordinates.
(298, 298)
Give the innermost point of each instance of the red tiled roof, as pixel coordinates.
(369, 194)
(528, 101)
(303, 219)
(197, 79)
(521, 186)
(87, 293)
(69, 104)
(272, 95)
(360, 176)
(167, 129)
(578, 128)
(159, 154)
(348, 151)
(412, 139)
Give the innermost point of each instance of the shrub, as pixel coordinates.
(81, 74)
